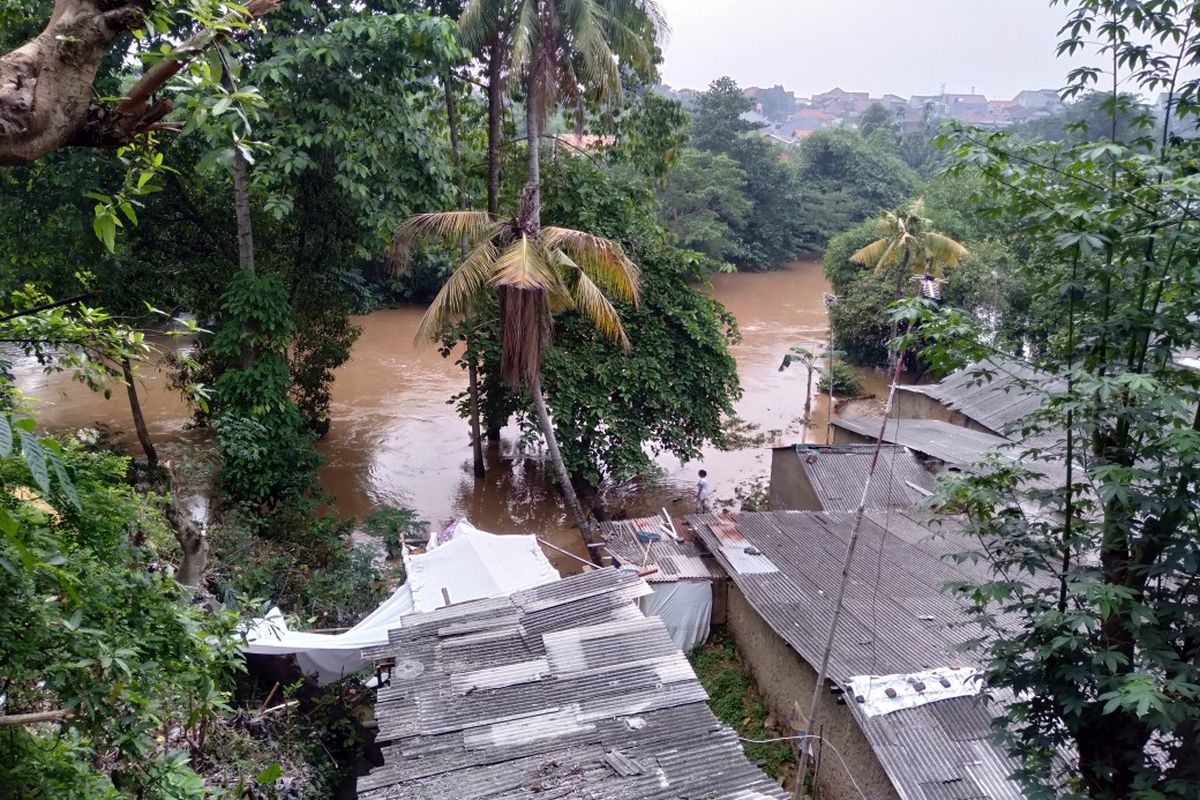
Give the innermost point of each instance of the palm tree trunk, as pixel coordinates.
(560, 468)
(902, 273)
(139, 421)
(452, 123)
(472, 369)
(495, 112)
(533, 130)
(473, 397)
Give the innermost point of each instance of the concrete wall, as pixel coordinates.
(914, 405)
(786, 681)
(790, 488)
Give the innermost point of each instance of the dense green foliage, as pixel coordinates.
(1090, 619)
(736, 701)
(84, 578)
(670, 391)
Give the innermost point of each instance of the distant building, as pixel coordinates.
(1044, 100)
(811, 119)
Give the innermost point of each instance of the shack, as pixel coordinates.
(928, 741)
(679, 571)
(996, 396)
(563, 691)
(809, 477)
(943, 445)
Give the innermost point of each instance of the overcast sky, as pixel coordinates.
(901, 46)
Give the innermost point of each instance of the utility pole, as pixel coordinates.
(819, 687)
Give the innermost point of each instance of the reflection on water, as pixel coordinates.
(395, 440)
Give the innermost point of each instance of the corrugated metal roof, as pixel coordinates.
(837, 474)
(896, 619)
(563, 691)
(674, 561)
(954, 444)
(998, 394)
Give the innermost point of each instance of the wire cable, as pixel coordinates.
(821, 739)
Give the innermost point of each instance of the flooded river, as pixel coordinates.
(395, 441)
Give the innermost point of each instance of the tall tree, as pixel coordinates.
(533, 271)
(1090, 621)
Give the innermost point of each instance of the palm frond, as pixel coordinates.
(591, 303)
(459, 295)
(525, 35)
(875, 255)
(602, 260)
(586, 23)
(478, 23)
(449, 227)
(524, 264)
(943, 250)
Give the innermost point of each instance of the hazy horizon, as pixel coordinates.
(997, 47)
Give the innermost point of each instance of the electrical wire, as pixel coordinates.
(821, 739)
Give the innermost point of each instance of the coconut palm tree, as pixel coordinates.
(908, 244)
(535, 272)
(562, 49)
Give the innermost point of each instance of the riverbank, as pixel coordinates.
(395, 441)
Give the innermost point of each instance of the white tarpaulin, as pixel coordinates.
(463, 563)
(883, 694)
(685, 607)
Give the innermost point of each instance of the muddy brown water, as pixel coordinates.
(395, 440)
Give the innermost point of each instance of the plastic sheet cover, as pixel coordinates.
(463, 563)
(685, 607)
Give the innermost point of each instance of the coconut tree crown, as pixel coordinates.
(534, 271)
(908, 238)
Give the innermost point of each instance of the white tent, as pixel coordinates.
(462, 563)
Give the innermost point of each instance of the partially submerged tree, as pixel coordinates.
(534, 271)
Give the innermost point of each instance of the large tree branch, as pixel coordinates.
(46, 84)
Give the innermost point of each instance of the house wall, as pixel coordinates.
(914, 405)
(786, 682)
(790, 488)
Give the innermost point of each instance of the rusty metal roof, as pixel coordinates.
(896, 619)
(837, 474)
(564, 691)
(673, 561)
(998, 394)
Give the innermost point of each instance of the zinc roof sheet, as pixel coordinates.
(895, 619)
(998, 394)
(563, 691)
(837, 474)
(672, 561)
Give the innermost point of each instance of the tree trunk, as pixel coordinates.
(241, 208)
(473, 395)
(903, 273)
(560, 468)
(452, 124)
(139, 421)
(533, 129)
(472, 368)
(46, 92)
(192, 540)
(495, 113)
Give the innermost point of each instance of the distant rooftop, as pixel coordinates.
(998, 394)
(562, 691)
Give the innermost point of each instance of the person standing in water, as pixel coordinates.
(702, 494)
